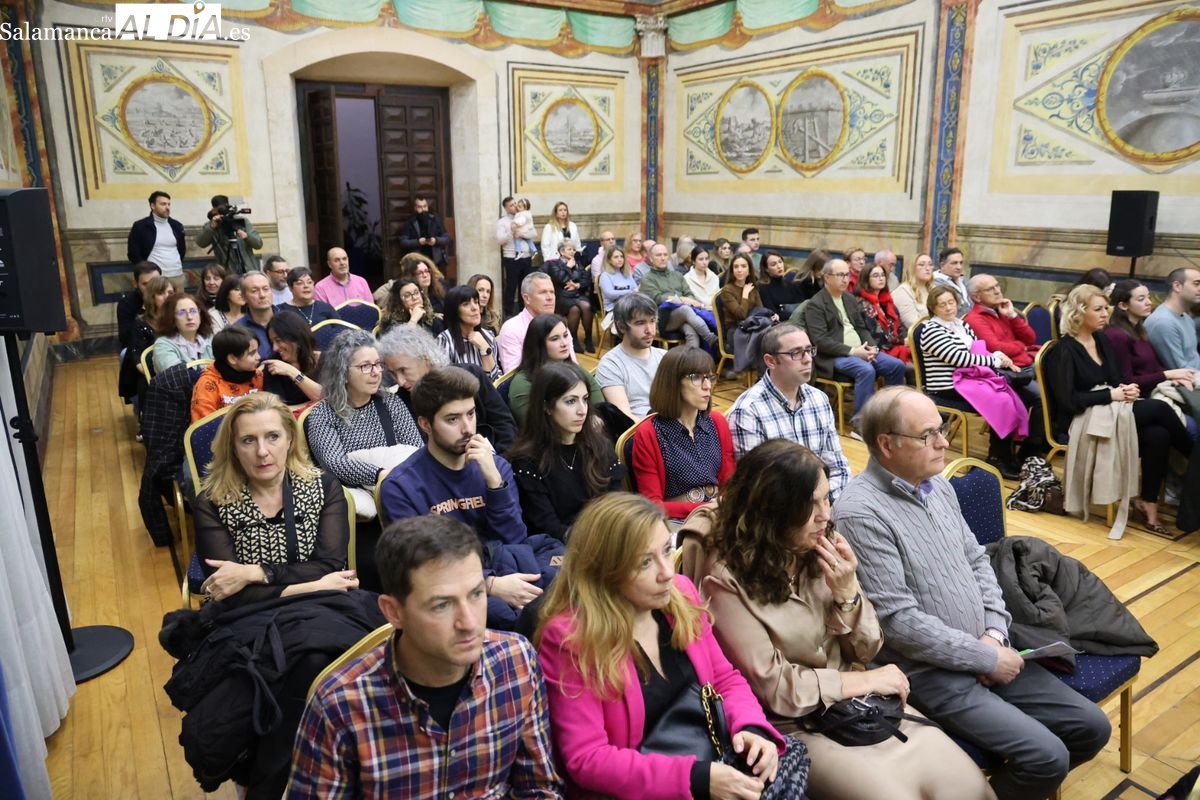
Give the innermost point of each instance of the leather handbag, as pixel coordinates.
(859, 721)
(694, 725)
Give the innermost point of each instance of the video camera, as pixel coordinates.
(231, 218)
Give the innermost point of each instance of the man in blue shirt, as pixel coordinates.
(458, 474)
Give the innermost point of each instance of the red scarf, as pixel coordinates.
(885, 311)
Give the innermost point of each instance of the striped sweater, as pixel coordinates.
(945, 352)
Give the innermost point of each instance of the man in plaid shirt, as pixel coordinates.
(783, 406)
(445, 708)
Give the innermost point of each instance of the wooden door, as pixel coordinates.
(414, 158)
(323, 189)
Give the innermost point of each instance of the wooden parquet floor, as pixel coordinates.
(120, 739)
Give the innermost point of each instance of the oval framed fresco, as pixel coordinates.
(165, 119)
(1148, 96)
(570, 132)
(745, 127)
(814, 120)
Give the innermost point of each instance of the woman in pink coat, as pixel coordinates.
(622, 636)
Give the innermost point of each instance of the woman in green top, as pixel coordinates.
(546, 340)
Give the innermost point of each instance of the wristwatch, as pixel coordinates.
(486, 352)
(853, 604)
(299, 377)
(998, 636)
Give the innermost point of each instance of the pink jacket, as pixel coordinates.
(597, 739)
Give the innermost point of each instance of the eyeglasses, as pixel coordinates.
(798, 353)
(367, 369)
(409, 295)
(924, 438)
(187, 312)
(697, 378)
(841, 276)
(995, 287)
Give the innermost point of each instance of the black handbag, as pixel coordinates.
(1018, 377)
(859, 721)
(694, 725)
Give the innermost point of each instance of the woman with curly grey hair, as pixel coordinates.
(355, 415)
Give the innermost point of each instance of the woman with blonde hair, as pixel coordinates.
(912, 293)
(621, 638)
(559, 229)
(616, 278)
(428, 277)
(790, 615)
(268, 522)
(811, 277)
(1083, 371)
(635, 249)
(722, 255)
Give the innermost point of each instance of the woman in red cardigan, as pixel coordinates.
(882, 317)
(620, 636)
(684, 454)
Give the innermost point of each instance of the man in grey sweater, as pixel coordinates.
(942, 612)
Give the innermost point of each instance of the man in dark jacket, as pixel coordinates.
(159, 238)
(424, 233)
(130, 306)
(844, 343)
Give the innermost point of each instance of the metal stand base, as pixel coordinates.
(98, 648)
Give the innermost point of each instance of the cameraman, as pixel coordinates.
(231, 237)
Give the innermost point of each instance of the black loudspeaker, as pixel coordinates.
(1131, 221)
(29, 295)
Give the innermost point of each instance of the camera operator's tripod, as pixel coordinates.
(236, 256)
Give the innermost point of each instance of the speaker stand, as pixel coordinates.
(94, 649)
(1132, 266)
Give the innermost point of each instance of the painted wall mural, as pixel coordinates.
(733, 23)
(483, 23)
(152, 116)
(1108, 90)
(565, 127)
(832, 115)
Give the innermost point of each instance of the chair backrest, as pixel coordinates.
(1040, 365)
(326, 330)
(1039, 318)
(361, 647)
(624, 449)
(146, 359)
(359, 313)
(980, 497)
(504, 384)
(1055, 309)
(918, 355)
(723, 348)
(198, 443)
(352, 542)
(300, 422)
(797, 316)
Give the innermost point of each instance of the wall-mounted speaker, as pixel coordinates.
(1131, 220)
(29, 289)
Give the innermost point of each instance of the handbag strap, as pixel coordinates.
(289, 521)
(385, 416)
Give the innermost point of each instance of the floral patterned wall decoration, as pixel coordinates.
(152, 117)
(829, 115)
(1101, 93)
(564, 129)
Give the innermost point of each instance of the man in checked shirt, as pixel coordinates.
(445, 708)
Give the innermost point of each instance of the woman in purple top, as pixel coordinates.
(1135, 355)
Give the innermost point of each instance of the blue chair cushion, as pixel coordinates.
(195, 575)
(1096, 676)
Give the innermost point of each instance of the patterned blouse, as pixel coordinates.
(692, 462)
(239, 532)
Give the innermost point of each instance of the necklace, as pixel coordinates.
(569, 464)
(311, 307)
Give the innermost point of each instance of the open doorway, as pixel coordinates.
(367, 150)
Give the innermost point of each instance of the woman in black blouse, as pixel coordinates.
(291, 371)
(562, 458)
(1085, 372)
(777, 292)
(573, 287)
(268, 523)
